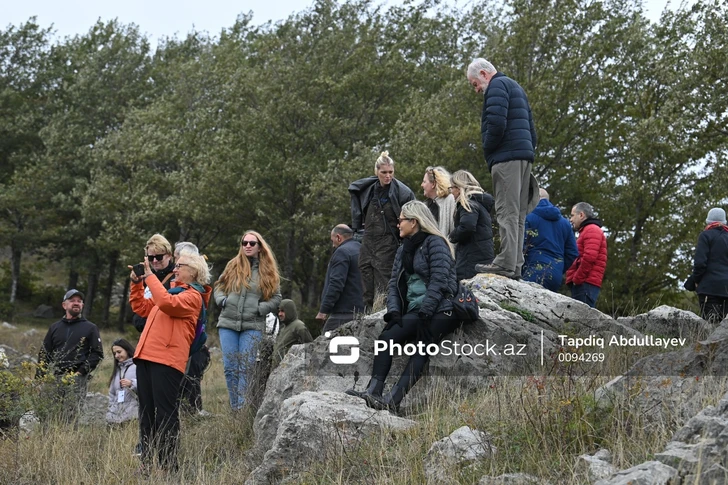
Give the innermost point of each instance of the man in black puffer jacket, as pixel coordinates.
(509, 140)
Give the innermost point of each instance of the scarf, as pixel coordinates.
(409, 247)
(714, 225)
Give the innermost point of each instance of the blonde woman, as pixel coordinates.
(473, 231)
(436, 185)
(418, 307)
(247, 290)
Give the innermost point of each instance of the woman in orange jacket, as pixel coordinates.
(163, 350)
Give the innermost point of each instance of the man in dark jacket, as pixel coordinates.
(549, 245)
(509, 139)
(71, 351)
(342, 295)
(587, 271)
(375, 205)
(292, 333)
(710, 268)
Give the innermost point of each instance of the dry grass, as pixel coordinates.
(538, 424)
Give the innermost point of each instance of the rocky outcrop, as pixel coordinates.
(668, 321)
(596, 466)
(315, 424)
(649, 473)
(512, 479)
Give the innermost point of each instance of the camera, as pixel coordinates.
(138, 269)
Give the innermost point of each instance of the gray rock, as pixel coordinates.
(43, 311)
(29, 422)
(512, 479)
(596, 466)
(93, 411)
(667, 321)
(464, 445)
(12, 358)
(30, 332)
(648, 473)
(8, 326)
(315, 424)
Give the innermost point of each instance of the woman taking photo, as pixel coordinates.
(248, 289)
(123, 401)
(418, 302)
(163, 350)
(436, 185)
(473, 231)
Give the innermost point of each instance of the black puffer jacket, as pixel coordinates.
(473, 235)
(710, 269)
(434, 264)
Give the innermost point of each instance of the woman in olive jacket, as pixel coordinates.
(248, 289)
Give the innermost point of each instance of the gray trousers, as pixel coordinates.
(510, 187)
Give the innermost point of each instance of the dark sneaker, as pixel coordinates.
(495, 269)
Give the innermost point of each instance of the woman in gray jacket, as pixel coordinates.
(123, 400)
(248, 289)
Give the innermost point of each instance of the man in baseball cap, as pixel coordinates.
(72, 347)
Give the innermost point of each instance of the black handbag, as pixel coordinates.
(465, 305)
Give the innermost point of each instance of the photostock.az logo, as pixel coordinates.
(337, 342)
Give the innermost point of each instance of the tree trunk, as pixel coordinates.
(109, 288)
(72, 277)
(16, 254)
(287, 283)
(124, 304)
(93, 286)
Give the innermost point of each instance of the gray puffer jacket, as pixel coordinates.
(245, 310)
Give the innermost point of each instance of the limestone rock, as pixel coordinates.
(648, 473)
(464, 445)
(8, 326)
(314, 424)
(667, 321)
(43, 311)
(94, 409)
(512, 479)
(597, 466)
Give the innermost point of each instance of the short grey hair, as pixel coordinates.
(185, 247)
(586, 208)
(478, 65)
(343, 230)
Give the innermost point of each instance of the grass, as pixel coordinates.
(539, 426)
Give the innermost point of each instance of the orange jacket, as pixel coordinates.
(171, 321)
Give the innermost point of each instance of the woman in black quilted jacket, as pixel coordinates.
(418, 304)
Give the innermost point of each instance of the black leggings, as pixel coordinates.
(412, 330)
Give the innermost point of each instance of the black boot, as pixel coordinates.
(391, 400)
(374, 388)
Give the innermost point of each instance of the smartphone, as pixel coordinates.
(138, 269)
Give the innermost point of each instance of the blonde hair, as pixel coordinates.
(238, 271)
(198, 264)
(441, 178)
(418, 211)
(159, 243)
(383, 159)
(468, 185)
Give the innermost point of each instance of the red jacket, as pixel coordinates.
(171, 321)
(589, 267)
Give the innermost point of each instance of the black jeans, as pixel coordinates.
(158, 387)
(413, 330)
(713, 308)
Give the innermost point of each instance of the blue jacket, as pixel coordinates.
(506, 125)
(343, 291)
(549, 246)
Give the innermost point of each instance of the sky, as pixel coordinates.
(161, 18)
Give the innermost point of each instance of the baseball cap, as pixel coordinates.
(72, 292)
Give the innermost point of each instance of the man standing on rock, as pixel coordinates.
(342, 295)
(509, 140)
(586, 273)
(71, 351)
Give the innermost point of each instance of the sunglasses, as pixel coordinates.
(158, 257)
(179, 265)
(249, 243)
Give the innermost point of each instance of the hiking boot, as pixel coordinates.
(374, 388)
(495, 269)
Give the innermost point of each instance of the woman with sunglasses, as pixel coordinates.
(163, 350)
(247, 290)
(418, 302)
(158, 252)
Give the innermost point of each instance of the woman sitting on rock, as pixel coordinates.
(418, 304)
